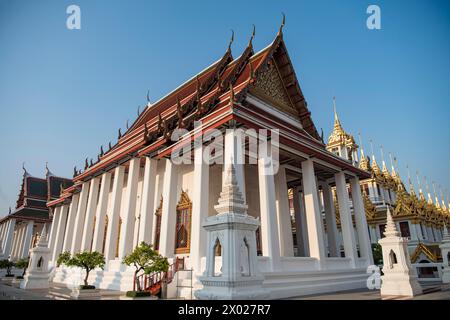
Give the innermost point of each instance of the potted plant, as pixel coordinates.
(8, 265)
(144, 258)
(22, 264)
(88, 261)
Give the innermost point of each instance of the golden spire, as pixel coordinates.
(392, 165)
(385, 170)
(442, 198)
(430, 201)
(339, 137)
(421, 196)
(375, 166)
(363, 164)
(435, 196)
(337, 123)
(411, 186)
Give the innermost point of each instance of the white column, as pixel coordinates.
(60, 231)
(330, 218)
(114, 214)
(90, 213)
(79, 219)
(269, 229)
(68, 231)
(283, 214)
(200, 203)
(365, 248)
(148, 201)
(300, 223)
(412, 231)
(373, 234)
(18, 240)
(100, 215)
(168, 215)
(27, 239)
(127, 233)
(3, 228)
(348, 235)
(55, 221)
(234, 153)
(418, 231)
(313, 214)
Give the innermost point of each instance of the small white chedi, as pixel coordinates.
(399, 278)
(37, 275)
(445, 250)
(232, 232)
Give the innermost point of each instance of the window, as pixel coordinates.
(183, 227)
(158, 225)
(404, 229)
(366, 188)
(105, 232)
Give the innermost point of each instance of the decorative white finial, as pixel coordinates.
(391, 228)
(43, 237)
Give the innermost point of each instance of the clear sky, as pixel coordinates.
(63, 93)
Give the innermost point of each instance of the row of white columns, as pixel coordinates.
(79, 226)
(16, 240)
(308, 217)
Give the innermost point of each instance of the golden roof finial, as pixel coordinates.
(428, 190)
(375, 166)
(442, 198)
(420, 186)
(436, 200)
(392, 165)
(336, 118)
(411, 186)
(363, 164)
(382, 160)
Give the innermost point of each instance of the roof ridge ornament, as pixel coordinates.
(231, 40)
(283, 22)
(232, 98)
(148, 99)
(47, 170)
(25, 172)
(250, 42)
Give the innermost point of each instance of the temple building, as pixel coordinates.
(20, 228)
(418, 217)
(136, 192)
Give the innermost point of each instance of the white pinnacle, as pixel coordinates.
(391, 228)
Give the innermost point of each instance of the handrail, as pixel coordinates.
(149, 281)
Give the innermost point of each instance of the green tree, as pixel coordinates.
(145, 258)
(377, 254)
(63, 258)
(86, 260)
(23, 264)
(6, 264)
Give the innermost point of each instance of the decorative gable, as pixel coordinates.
(270, 87)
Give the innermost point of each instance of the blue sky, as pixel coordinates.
(63, 93)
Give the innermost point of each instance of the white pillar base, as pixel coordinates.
(400, 284)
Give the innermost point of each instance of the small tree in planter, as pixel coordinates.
(63, 258)
(144, 258)
(8, 265)
(22, 264)
(85, 260)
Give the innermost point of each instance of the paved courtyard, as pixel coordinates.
(434, 291)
